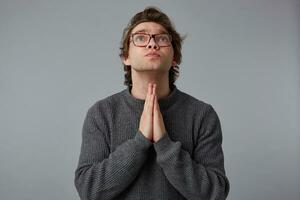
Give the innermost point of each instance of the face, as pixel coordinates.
(151, 57)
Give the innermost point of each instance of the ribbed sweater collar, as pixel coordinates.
(164, 103)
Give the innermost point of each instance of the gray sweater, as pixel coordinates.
(118, 162)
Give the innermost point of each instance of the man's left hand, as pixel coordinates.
(159, 130)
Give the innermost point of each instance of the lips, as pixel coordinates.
(152, 54)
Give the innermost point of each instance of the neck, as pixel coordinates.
(140, 81)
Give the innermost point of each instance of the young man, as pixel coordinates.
(151, 141)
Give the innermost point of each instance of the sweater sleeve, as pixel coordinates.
(102, 174)
(203, 176)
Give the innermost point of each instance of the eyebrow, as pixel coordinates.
(146, 31)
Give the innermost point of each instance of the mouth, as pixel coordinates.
(152, 55)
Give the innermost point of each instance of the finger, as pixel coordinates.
(151, 99)
(149, 88)
(151, 104)
(154, 89)
(153, 94)
(154, 97)
(155, 103)
(146, 105)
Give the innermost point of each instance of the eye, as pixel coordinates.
(140, 38)
(162, 38)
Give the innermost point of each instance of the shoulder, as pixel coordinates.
(197, 108)
(204, 115)
(194, 103)
(105, 105)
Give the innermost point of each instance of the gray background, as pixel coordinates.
(59, 57)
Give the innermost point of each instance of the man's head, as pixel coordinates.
(155, 19)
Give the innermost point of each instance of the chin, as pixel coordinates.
(151, 67)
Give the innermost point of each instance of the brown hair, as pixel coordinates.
(151, 14)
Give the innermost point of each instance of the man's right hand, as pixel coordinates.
(146, 121)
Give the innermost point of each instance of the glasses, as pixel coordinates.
(143, 39)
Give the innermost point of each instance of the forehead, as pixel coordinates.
(149, 27)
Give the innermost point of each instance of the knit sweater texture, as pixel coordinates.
(118, 162)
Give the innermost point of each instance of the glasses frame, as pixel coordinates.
(150, 37)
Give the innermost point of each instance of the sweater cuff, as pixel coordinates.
(166, 150)
(142, 140)
(163, 144)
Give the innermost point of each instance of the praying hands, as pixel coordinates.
(151, 123)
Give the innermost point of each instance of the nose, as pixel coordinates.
(152, 44)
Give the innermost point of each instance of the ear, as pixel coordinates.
(174, 63)
(126, 60)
